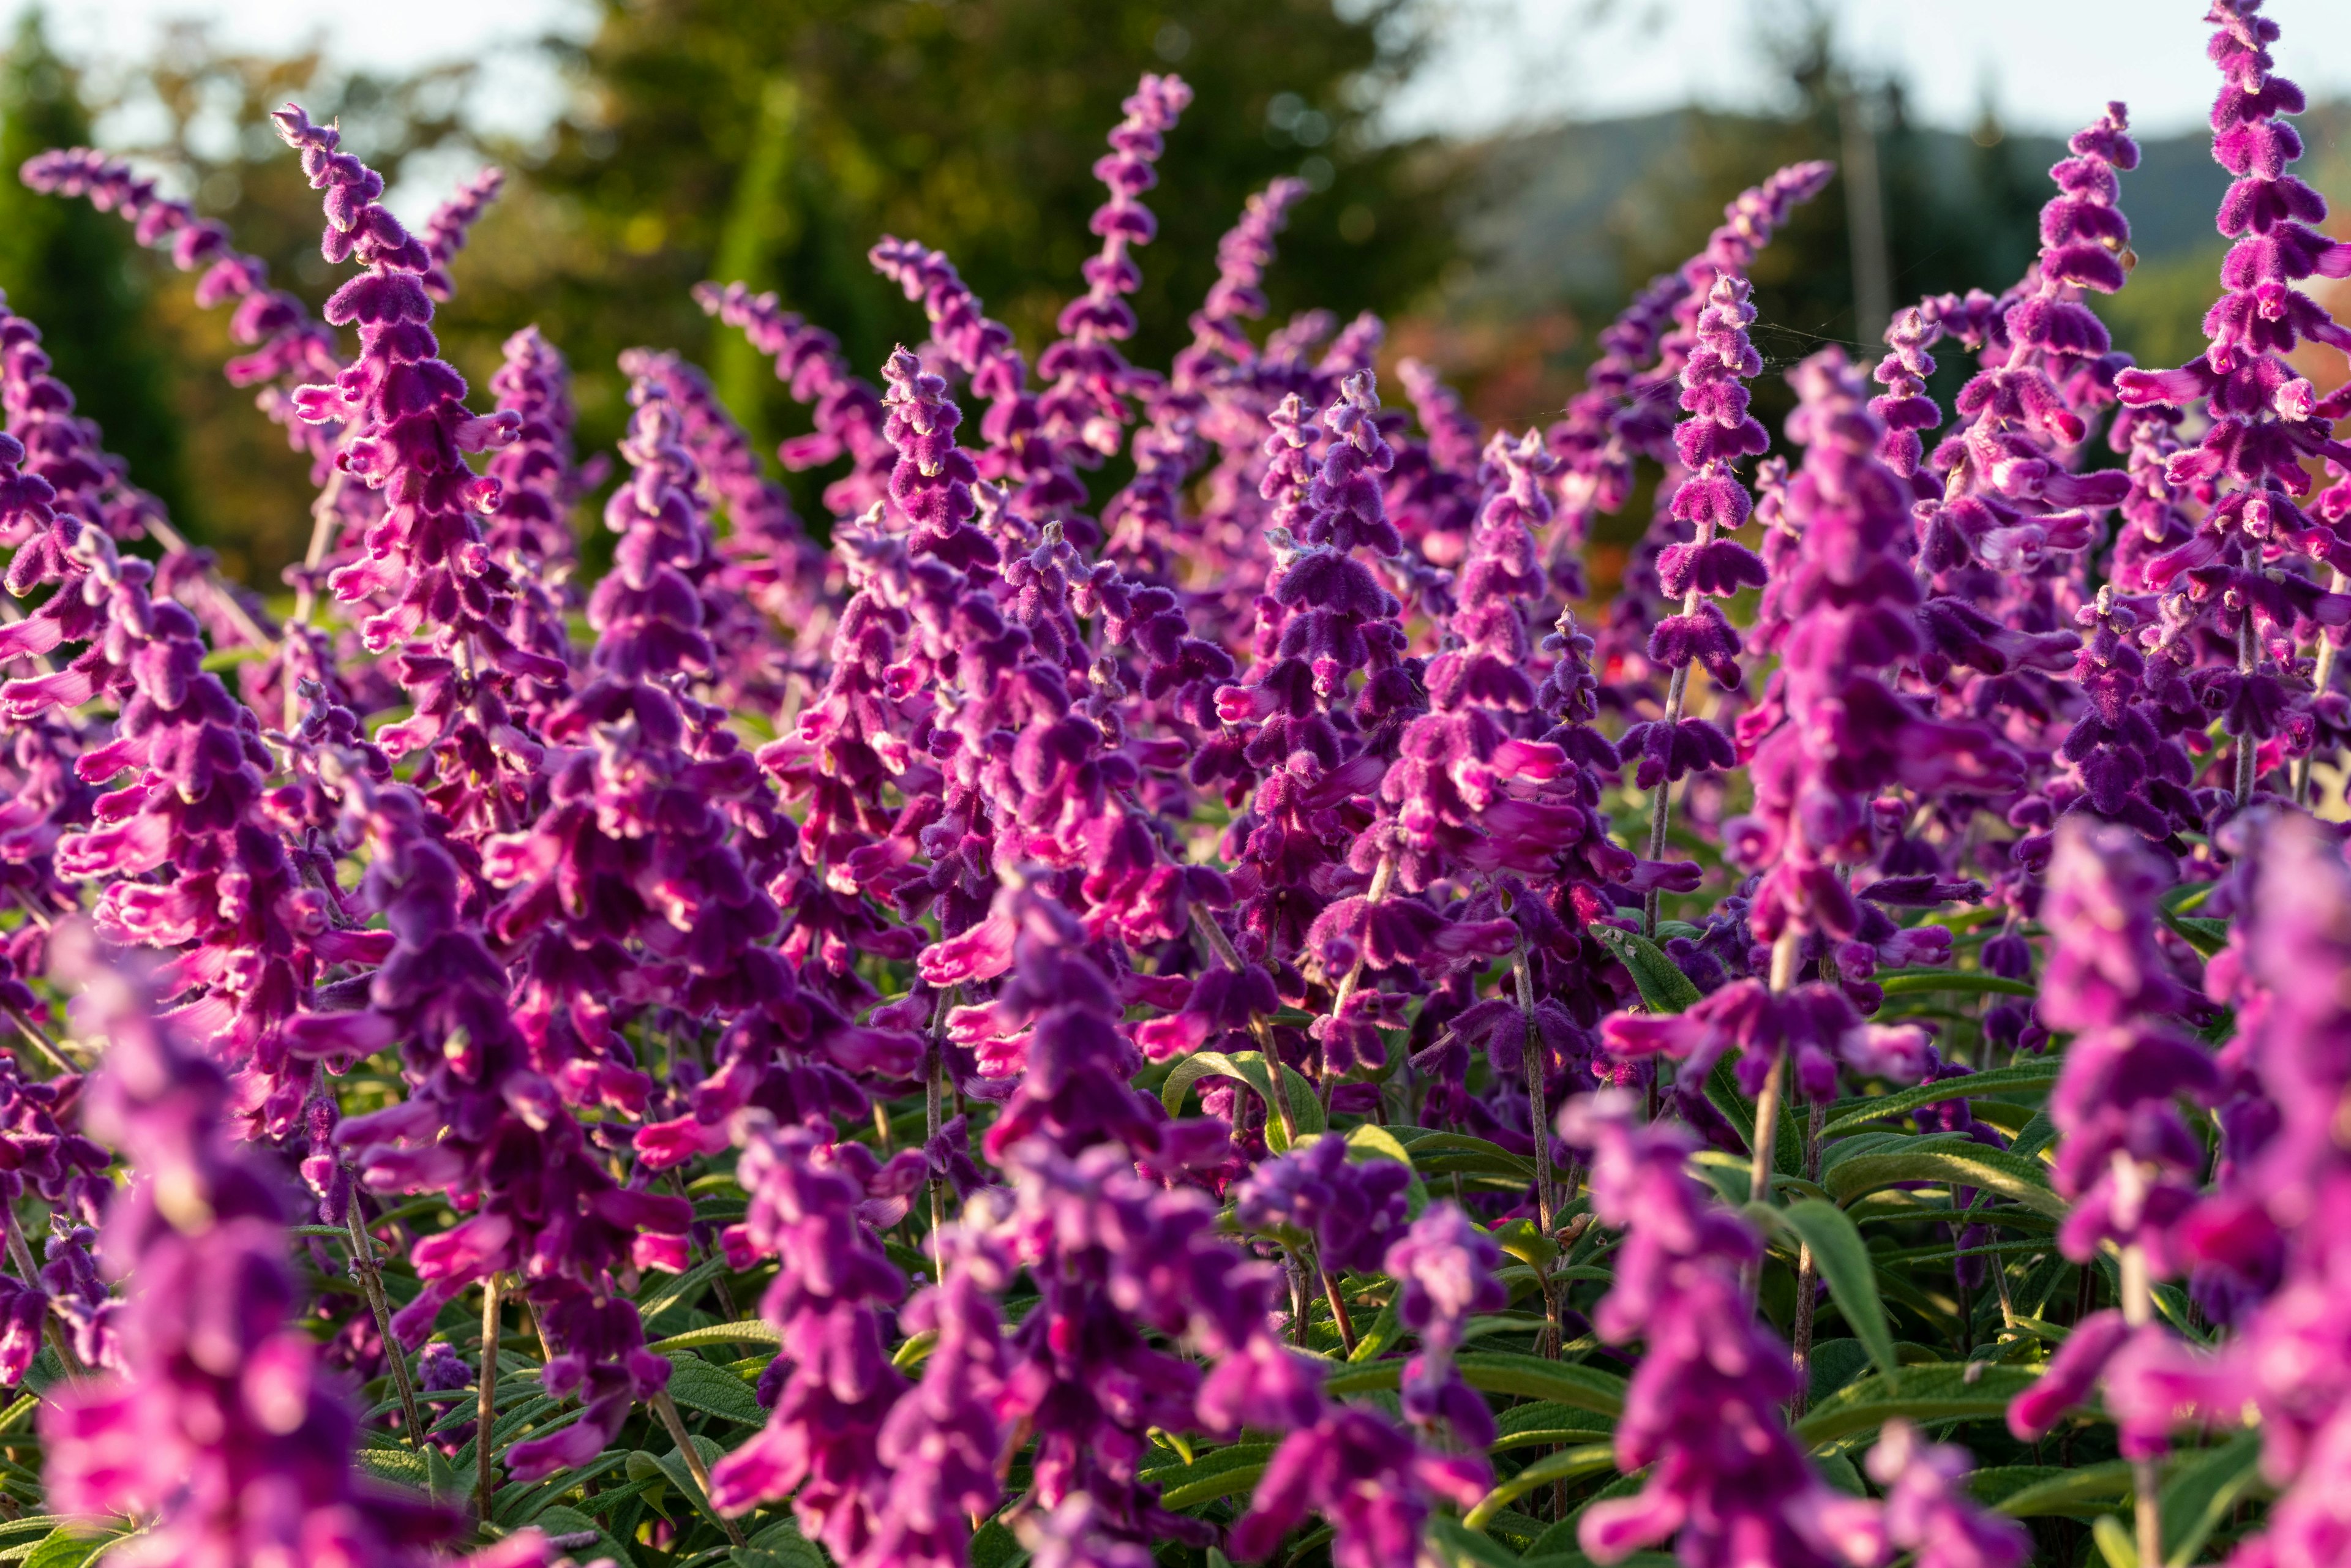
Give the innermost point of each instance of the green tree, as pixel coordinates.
(75, 273)
(776, 140)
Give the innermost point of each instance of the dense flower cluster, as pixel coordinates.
(1148, 1023)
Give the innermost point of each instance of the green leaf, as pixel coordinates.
(518, 1503)
(564, 1519)
(673, 1468)
(1438, 1153)
(1386, 1330)
(780, 1545)
(1567, 1465)
(2206, 937)
(1722, 1092)
(1544, 1422)
(994, 1546)
(1663, 988)
(750, 1330)
(1207, 1489)
(1914, 982)
(667, 1292)
(1503, 1372)
(1943, 1391)
(2115, 1542)
(1250, 1068)
(698, 1385)
(67, 1546)
(2038, 1134)
(1993, 1170)
(2029, 1491)
(1848, 1115)
(1460, 1548)
(1844, 1261)
(401, 1467)
(2202, 1489)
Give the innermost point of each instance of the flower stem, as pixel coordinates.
(2249, 744)
(1382, 875)
(1339, 1319)
(2139, 1310)
(1538, 1124)
(1227, 954)
(363, 1261)
(933, 1098)
(42, 1042)
(667, 1408)
(486, 1399)
(21, 1253)
(1661, 805)
(1807, 1268)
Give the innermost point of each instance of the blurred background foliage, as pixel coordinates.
(775, 139)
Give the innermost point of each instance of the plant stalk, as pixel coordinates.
(363, 1261)
(667, 1408)
(1538, 1124)
(1807, 1268)
(40, 1041)
(933, 1100)
(1227, 954)
(20, 1252)
(2249, 744)
(1339, 1318)
(1662, 806)
(2136, 1289)
(1382, 875)
(486, 1400)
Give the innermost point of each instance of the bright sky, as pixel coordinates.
(2049, 64)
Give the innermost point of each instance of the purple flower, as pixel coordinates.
(446, 230)
(809, 361)
(223, 1436)
(832, 1385)
(941, 1445)
(1830, 734)
(1928, 1510)
(409, 425)
(2266, 422)
(1445, 1273)
(1370, 1481)
(2126, 1155)
(485, 1126)
(1729, 1484)
(1350, 1210)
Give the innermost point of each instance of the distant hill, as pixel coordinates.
(1548, 219)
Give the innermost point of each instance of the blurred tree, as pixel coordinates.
(776, 140)
(75, 273)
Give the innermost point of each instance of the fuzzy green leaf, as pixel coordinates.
(1916, 982)
(1993, 1170)
(696, 1384)
(1847, 1115)
(1844, 1261)
(1974, 1392)
(1567, 1465)
(1663, 988)
(2201, 1491)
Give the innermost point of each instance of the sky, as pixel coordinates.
(2044, 64)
